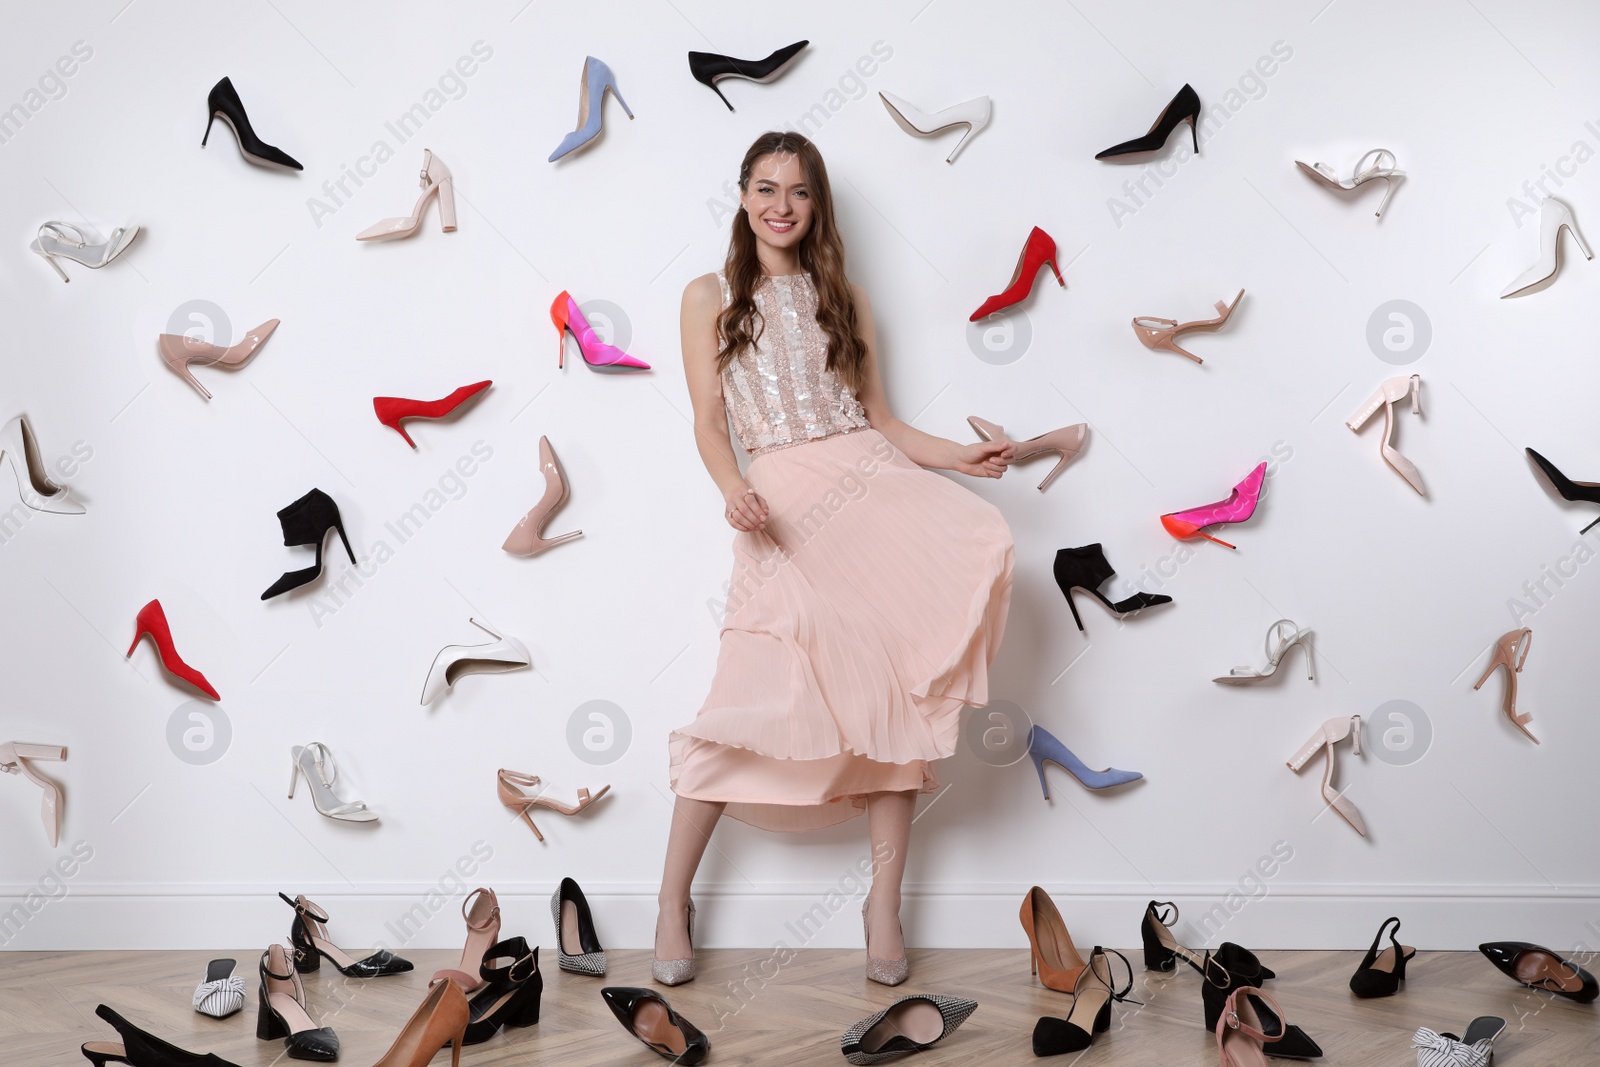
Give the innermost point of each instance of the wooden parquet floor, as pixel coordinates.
(792, 1015)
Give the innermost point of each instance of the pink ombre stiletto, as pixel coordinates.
(565, 314)
(1239, 506)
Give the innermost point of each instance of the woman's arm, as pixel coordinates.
(986, 459)
(702, 302)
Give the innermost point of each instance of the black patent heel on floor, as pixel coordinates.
(309, 936)
(281, 1011)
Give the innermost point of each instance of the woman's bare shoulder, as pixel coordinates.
(702, 291)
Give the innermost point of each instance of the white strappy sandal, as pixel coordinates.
(64, 240)
(316, 763)
(1277, 646)
(1325, 174)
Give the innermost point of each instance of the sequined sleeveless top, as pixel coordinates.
(779, 391)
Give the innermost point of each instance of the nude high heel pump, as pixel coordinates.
(1390, 393)
(973, 114)
(178, 351)
(1066, 443)
(526, 538)
(1360, 176)
(436, 178)
(63, 240)
(16, 758)
(19, 447)
(594, 81)
(1159, 334)
(1329, 734)
(1511, 652)
(510, 786)
(1278, 645)
(1553, 217)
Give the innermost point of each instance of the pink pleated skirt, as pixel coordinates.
(859, 623)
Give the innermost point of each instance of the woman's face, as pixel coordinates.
(777, 200)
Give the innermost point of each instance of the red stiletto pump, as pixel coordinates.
(153, 621)
(1039, 249)
(391, 409)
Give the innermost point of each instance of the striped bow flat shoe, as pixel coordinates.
(221, 992)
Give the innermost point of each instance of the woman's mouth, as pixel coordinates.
(779, 225)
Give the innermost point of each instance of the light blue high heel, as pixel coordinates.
(597, 78)
(1043, 747)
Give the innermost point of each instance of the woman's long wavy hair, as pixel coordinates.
(821, 254)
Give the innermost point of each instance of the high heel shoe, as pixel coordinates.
(1162, 951)
(1391, 392)
(512, 988)
(16, 758)
(1240, 505)
(391, 409)
(1511, 652)
(1241, 1034)
(139, 1049)
(1092, 995)
(481, 911)
(1588, 492)
(568, 318)
(1380, 973)
(677, 972)
(1553, 216)
(281, 1011)
(594, 81)
(1185, 107)
(1044, 748)
(63, 240)
(708, 68)
(224, 100)
(508, 784)
(1538, 968)
(1232, 968)
(436, 178)
(646, 1015)
(973, 114)
(178, 351)
(1277, 647)
(577, 944)
(307, 522)
(220, 993)
(501, 655)
(1159, 334)
(441, 1019)
(1359, 177)
(311, 941)
(1066, 443)
(1088, 569)
(1039, 249)
(153, 621)
(910, 1024)
(1475, 1048)
(884, 972)
(1329, 734)
(20, 448)
(1052, 956)
(316, 763)
(527, 536)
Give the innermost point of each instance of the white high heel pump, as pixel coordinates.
(1277, 647)
(316, 763)
(973, 114)
(1390, 393)
(66, 241)
(14, 759)
(436, 178)
(1325, 174)
(503, 654)
(21, 448)
(1553, 215)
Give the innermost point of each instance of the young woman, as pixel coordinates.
(869, 595)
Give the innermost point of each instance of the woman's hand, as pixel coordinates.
(745, 510)
(986, 459)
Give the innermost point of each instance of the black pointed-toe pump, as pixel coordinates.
(1087, 569)
(307, 522)
(1538, 968)
(646, 1015)
(709, 67)
(309, 936)
(224, 100)
(1233, 967)
(139, 1049)
(1185, 107)
(1589, 492)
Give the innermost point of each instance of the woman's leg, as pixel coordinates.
(889, 826)
(692, 823)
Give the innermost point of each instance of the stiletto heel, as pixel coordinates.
(224, 100)
(1329, 734)
(392, 409)
(1240, 505)
(578, 948)
(527, 537)
(504, 654)
(708, 68)
(311, 941)
(1277, 647)
(436, 178)
(1185, 107)
(1380, 973)
(1052, 956)
(1092, 995)
(1538, 968)
(595, 79)
(1038, 250)
(315, 761)
(1323, 173)
(1589, 492)
(307, 522)
(1511, 652)
(481, 912)
(646, 1015)
(1554, 216)
(441, 1019)
(20, 448)
(282, 1011)
(16, 758)
(1044, 748)
(1389, 393)
(1158, 334)
(153, 621)
(564, 312)
(1088, 569)
(910, 1024)
(509, 786)
(63, 240)
(1064, 443)
(179, 351)
(885, 972)
(973, 114)
(675, 972)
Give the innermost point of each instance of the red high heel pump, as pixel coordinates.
(1039, 250)
(391, 409)
(565, 314)
(153, 621)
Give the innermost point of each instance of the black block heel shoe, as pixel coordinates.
(1381, 973)
(311, 943)
(282, 1012)
(224, 100)
(1162, 951)
(140, 1049)
(512, 996)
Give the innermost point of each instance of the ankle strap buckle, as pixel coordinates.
(1233, 1019)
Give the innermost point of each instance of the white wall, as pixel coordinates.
(1487, 836)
